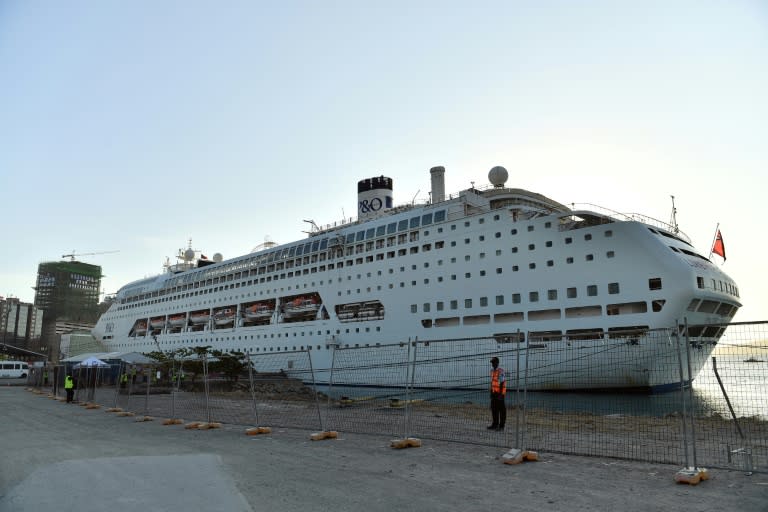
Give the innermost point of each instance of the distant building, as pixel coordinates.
(21, 323)
(68, 293)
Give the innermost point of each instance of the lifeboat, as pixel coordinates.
(258, 311)
(176, 321)
(301, 307)
(140, 327)
(157, 322)
(224, 317)
(200, 317)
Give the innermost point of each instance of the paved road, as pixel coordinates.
(65, 457)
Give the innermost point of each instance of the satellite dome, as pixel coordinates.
(218, 257)
(189, 255)
(498, 176)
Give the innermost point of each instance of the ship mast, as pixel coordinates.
(673, 219)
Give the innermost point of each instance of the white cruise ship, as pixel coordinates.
(482, 267)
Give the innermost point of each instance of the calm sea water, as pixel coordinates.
(745, 384)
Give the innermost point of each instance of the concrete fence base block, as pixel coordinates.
(516, 456)
(408, 442)
(125, 414)
(144, 418)
(209, 426)
(326, 434)
(93, 406)
(113, 409)
(173, 421)
(193, 425)
(691, 476)
(255, 431)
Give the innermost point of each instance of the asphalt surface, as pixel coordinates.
(63, 457)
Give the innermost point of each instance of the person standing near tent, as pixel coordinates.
(498, 392)
(69, 387)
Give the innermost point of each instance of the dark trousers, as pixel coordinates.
(498, 410)
(70, 395)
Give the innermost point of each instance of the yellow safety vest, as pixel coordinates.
(69, 383)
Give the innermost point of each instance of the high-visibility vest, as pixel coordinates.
(68, 383)
(498, 381)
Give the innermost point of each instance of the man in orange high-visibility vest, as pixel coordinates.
(498, 392)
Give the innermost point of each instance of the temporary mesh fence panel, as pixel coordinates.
(575, 394)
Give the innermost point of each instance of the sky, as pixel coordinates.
(129, 128)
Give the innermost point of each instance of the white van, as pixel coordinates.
(13, 369)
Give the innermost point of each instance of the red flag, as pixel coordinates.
(719, 247)
(204, 257)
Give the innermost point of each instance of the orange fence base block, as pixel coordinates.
(192, 425)
(172, 421)
(125, 413)
(144, 418)
(209, 426)
(408, 442)
(255, 431)
(516, 456)
(691, 476)
(327, 434)
(113, 409)
(93, 406)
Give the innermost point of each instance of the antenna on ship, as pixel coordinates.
(673, 220)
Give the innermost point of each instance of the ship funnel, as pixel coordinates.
(374, 195)
(438, 183)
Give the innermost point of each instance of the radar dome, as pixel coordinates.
(189, 255)
(498, 176)
(218, 257)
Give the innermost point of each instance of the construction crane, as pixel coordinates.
(72, 256)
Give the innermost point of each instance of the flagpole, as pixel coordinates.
(712, 245)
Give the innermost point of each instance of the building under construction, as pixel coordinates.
(68, 293)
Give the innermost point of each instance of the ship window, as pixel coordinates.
(657, 305)
(530, 228)
(588, 237)
(571, 293)
(391, 228)
(515, 268)
(414, 308)
(613, 288)
(380, 230)
(514, 250)
(483, 302)
(590, 257)
(497, 234)
(513, 232)
(350, 239)
(550, 263)
(415, 222)
(402, 225)
(547, 224)
(425, 307)
(439, 306)
(569, 260)
(531, 266)
(482, 238)
(370, 233)
(292, 252)
(533, 296)
(467, 303)
(552, 294)
(654, 283)
(315, 245)
(700, 282)
(454, 304)
(531, 247)
(499, 300)
(426, 220)
(324, 244)
(360, 236)
(609, 254)
(440, 216)
(498, 270)
(568, 240)
(549, 243)
(466, 240)
(592, 290)
(481, 221)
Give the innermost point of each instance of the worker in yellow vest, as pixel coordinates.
(498, 392)
(69, 387)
